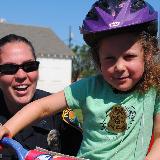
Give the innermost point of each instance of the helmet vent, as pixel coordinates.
(137, 5)
(101, 4)
(92, 15)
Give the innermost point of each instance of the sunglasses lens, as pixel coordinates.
(31, 66)
(8, 69)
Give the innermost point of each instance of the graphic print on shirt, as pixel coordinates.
(118, 120)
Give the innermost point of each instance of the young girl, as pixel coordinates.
(121, 103)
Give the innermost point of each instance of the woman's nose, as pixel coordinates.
(20, 74)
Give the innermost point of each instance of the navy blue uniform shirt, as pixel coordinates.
(36, 134)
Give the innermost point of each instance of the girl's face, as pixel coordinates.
(18, 88)
(122, 60)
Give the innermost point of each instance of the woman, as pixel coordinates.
(18, 81)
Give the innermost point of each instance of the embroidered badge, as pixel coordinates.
(117, 122)
(70, 118)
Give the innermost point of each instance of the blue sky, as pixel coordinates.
(58, 15)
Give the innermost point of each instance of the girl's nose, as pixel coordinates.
(120, 65)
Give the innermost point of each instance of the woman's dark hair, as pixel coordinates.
(151, 76)
(16, 38)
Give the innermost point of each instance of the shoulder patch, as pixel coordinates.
(70, 118)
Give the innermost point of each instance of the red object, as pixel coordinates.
(64, 158)
(38, 155)
(151, 143)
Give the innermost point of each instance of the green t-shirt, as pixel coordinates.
(117, 126)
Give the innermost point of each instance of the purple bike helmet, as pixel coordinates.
(112, 16)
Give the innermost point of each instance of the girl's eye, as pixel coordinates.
(130, 57)
(109, 58)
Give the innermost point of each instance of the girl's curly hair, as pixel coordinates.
(151, 76)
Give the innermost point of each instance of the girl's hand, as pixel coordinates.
(4, 132)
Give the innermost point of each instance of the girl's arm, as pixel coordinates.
(154, 154)
(34, 111)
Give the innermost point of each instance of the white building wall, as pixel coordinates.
(54, 74)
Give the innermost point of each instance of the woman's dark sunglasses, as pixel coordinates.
(9, 69)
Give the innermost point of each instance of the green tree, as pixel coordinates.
(82, 64)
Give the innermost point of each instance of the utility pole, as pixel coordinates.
(70, 37)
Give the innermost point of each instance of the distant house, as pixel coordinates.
(54, 56)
